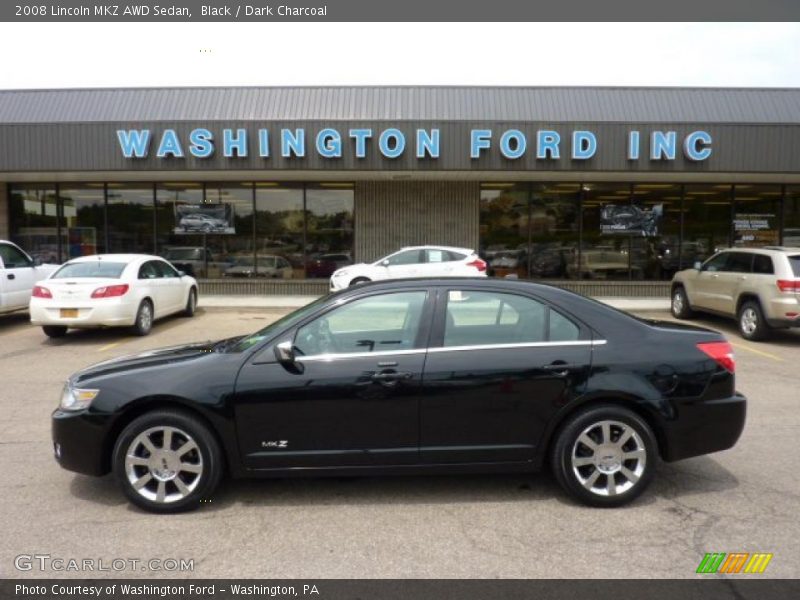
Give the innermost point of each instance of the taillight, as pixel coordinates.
(721, 352)
(789, 285)
(478, 264)
(41, 292)
(110, 291)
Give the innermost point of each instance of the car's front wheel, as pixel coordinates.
(191, 304)
(604, 456)
(167, 461)
(680, 307)
(752, 324)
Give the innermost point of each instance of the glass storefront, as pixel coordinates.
(791, 217)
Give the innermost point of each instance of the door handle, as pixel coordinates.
(390, 378)
(559, 369)
(11, 276)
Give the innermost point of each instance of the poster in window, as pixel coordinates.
(204, 218)
(755, 229)
(630, 219)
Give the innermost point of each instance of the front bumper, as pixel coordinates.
(704, 426)
(79, 442)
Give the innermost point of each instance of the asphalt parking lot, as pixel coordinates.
(744, 500)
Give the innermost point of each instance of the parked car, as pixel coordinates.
(413, 261)
(324, 265)
(412, 376)
(759, 287)
(111, 290)
(18, 274)
(201, 222)
(268, 265)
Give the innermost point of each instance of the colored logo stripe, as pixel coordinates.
(720, 562)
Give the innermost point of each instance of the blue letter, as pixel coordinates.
(234, 145)
(633, 145)
(360, 136)
(427, 143)
(584, 145)
(547, 143)
(170, 145)
(293, 143)
(399, 143)
(134, 143)
(200, 143)
(263, 143)
(329, 143)
(480, 139)
(696, 145)
(520, 143)
(662, 145)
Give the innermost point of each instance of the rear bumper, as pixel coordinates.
(109, 313)
(783, 311)
(79, 442)
(704, 426)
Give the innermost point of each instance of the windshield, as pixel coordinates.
(91, 269)
(259, 336)
(183, 253)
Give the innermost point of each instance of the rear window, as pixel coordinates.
(104, 269)
(795, 262)
(762, 265)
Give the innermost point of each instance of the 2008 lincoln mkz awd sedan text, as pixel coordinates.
(410, 376)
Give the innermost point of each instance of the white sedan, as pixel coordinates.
(414, 261)
(111, 290)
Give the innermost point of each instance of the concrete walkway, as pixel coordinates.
(225, 302)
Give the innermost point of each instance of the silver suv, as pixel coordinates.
(760, 287)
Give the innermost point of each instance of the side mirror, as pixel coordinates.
(698, 265)
(37, 262)
(181, 274)
(284, 352)
(384, 263)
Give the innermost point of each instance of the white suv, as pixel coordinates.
(18, 274)
(760, 287)
(414, 261)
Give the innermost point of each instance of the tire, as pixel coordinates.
(752, 324)
(359, 280)
(679, 304)
(197, 469)
(144, 318)
(54, 331)
(191, 304)
(587, 475)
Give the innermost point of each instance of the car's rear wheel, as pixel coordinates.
(680, 307)
(54, 331)
(604, 456)
(358, 280)
(167, 461)
(191, 304)
(752, 324)
(144, 318)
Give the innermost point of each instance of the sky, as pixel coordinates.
(44, 55)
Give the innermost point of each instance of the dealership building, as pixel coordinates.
(265, 190)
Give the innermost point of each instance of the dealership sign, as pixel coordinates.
(393, 143)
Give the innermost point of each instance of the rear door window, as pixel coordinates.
(795, 262)
(762, 265)
(739, 262)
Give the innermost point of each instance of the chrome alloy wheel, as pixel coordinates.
(608, 458)
(145, 317)
(163, 464)
(749, 321)
(677, 303)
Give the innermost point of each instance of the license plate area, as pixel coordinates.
(69, 313)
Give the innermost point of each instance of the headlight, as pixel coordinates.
(76, 399)
(340, 273)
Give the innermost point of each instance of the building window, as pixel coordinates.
(84, 210)
(280, 226)
(655, 247)
(504, 230)
(34, 220)
(329, 228)
(186, 251)
(791, 216)
(606, 244)
(555, 227)
(131, 219)
(706, 220)
(756, 220)
(236, 248)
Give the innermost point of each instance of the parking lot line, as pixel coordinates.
(108, 346)
(759, 352)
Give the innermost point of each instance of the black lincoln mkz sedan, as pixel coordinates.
(410, 376)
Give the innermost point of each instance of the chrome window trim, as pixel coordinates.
(382, 353)
(517, 345)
